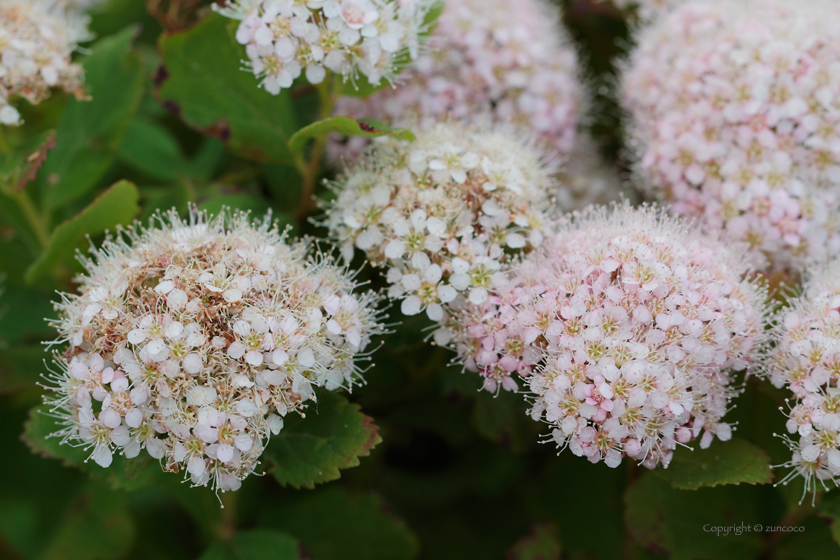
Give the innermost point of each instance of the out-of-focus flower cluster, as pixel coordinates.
(492, 60)
(286, 37)
(806, 360)
(735, 111)
(192, 340)
(630, 324)
(37, 40)
(443, 213)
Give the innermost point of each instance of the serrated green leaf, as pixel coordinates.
(152, 150)
(202, 82)
(90, 132)
(541, 544)
(361, 526)
(259, 544)
(311, 450)
(96, 525)
(681, 522)
(20, 165)
(348, 127)
(125, 474)
(118, 205)
(724, 462)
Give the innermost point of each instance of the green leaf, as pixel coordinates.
(152, 150)
(724, 462)
(541, 544)
(360, 526)
(20, 165)
(259, 544)
(96, 525)
(125, 474)
(311, 450)
(90, 132)
(348, 127)
(503, 418)
(679, 522)
(117, 205)
(594, 490)
(202, 81)
(830, 509)
(21, 367)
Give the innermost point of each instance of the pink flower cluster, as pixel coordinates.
(630, 325)
(806, 360)
(496, 60)
(735, 110)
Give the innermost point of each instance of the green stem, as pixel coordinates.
(33, 217)
(328, 93)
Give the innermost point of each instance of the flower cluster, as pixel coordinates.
(736, 119)
(806, 360)
(497, 60)
(37, 39)
(443, 213)
(192, 340)
(630, 325)
(286, 37)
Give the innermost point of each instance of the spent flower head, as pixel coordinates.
(630, 325)
(37, 40)
(502, 60)
(443, 213)
(193, 339)
(734, 112)
(806, 360)
(284, 38)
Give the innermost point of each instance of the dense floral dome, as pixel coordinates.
(284, 38)
(193, 339)
(735, 120)
(37, 40)
(629, 325)
(443, 213)
(806, 360)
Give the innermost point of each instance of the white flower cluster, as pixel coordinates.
(630, 324)
(497, 60)
(192, 340)
(806, 360)
(286, 37)
(37, 40)
(736, 119)
(443, 213)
